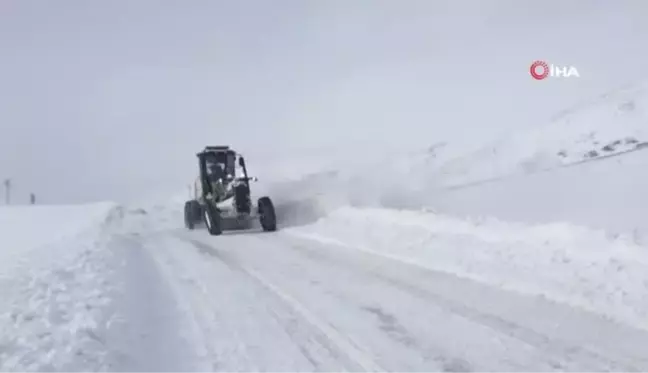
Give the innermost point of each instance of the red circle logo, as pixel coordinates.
(539, 65)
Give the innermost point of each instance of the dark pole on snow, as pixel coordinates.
(7, 184)
(32, 199)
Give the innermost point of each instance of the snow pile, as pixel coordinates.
(52, 285)
(566, 263)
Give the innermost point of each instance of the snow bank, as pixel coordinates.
(24, 230)
(51, 285)
(561, 261)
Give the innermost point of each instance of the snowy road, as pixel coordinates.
(249, 301)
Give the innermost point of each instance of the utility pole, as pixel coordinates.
(7, 184)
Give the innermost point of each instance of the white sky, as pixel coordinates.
(111, 99)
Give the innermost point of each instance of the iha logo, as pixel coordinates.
(541, 70)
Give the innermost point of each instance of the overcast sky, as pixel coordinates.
(110, 99)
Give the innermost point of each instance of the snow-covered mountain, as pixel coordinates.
(612, 123)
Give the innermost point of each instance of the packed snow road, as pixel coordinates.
(248, 301)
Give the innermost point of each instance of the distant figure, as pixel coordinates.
(32, 199)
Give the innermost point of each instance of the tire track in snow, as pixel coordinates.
(145, 328)
(564, 353)
(368, 313)
(341, 342)
(188, 305)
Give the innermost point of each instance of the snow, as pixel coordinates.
(533, 212)
(526, 253)
(537, 176)
(26, 229)
(52, 286)
(443, 258)
(285, 302)
(563, 262)
(606, 194)
(606, 125)
(546, 175)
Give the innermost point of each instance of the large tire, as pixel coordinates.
(191, 214)
(212, 219)
(267, 215)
